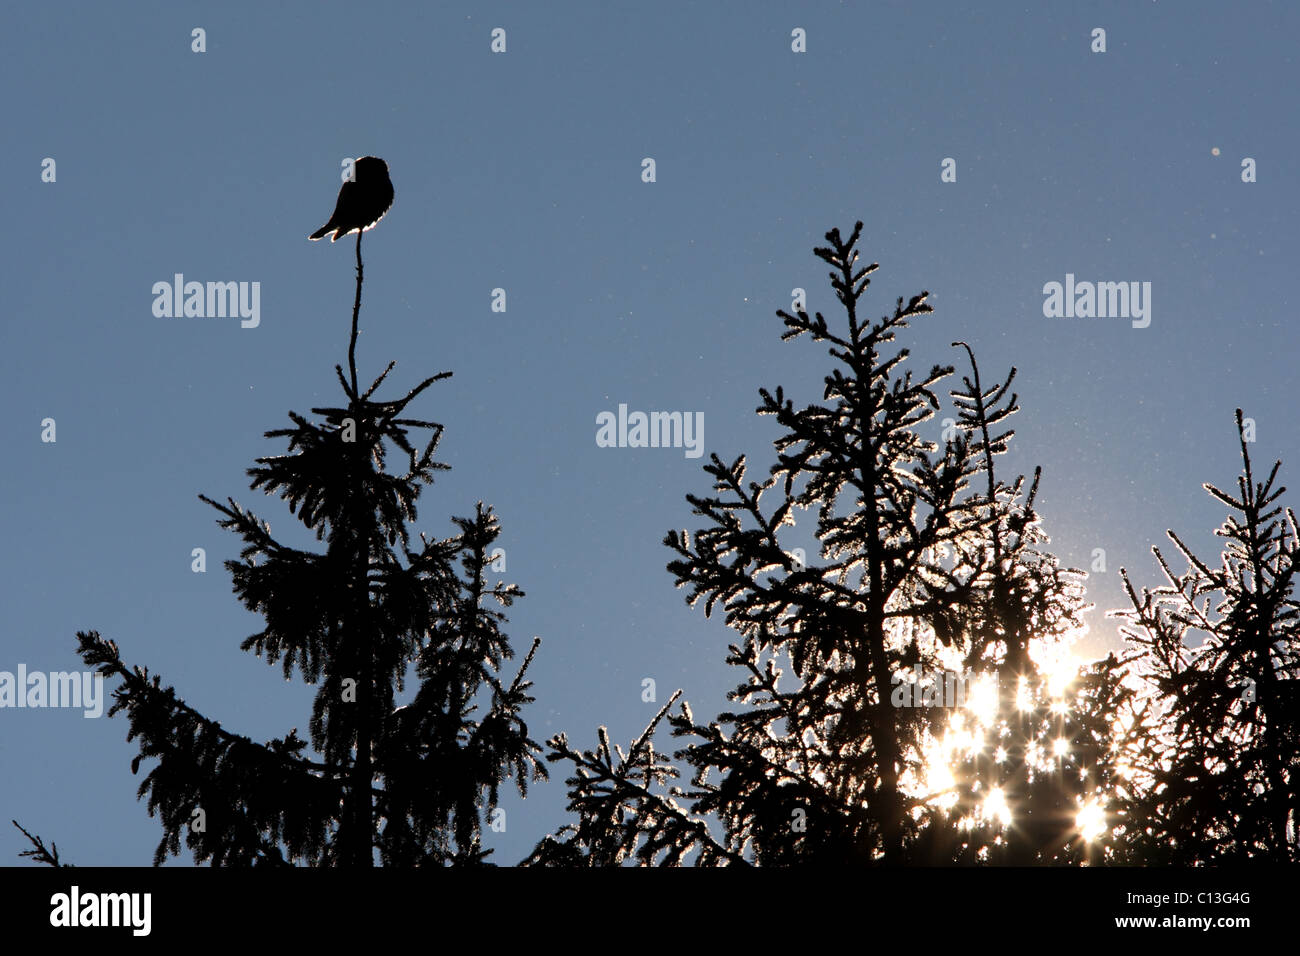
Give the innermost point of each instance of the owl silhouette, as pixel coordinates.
(362, 201)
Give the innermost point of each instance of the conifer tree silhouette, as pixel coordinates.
(829, 787)
(1219, 775)
(411, 781)
(1039, 750)
(917, 569)
(40, 853)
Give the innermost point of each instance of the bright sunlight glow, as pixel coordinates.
(1060, 667)
(1091, 822)
(995, 807)
(982, 701)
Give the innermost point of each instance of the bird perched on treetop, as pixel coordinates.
(362, 202)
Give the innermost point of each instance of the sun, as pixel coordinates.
(1059, 668)
(1091, 822)
(995, 807)
(982, 700)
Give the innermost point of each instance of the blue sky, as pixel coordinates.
(522, 170)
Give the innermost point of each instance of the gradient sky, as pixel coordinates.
(522, 170)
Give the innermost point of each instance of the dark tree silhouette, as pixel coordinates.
(39, 852)
(1035, 756)
(917, 569)
(412, 781)
(1182, 750)
(1219, 775)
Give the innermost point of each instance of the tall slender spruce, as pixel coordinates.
(1219, 778)
(409, 782)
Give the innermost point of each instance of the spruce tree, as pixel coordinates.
(918, 569)
(412, 781)
(1026, 774)
(1219, 778)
